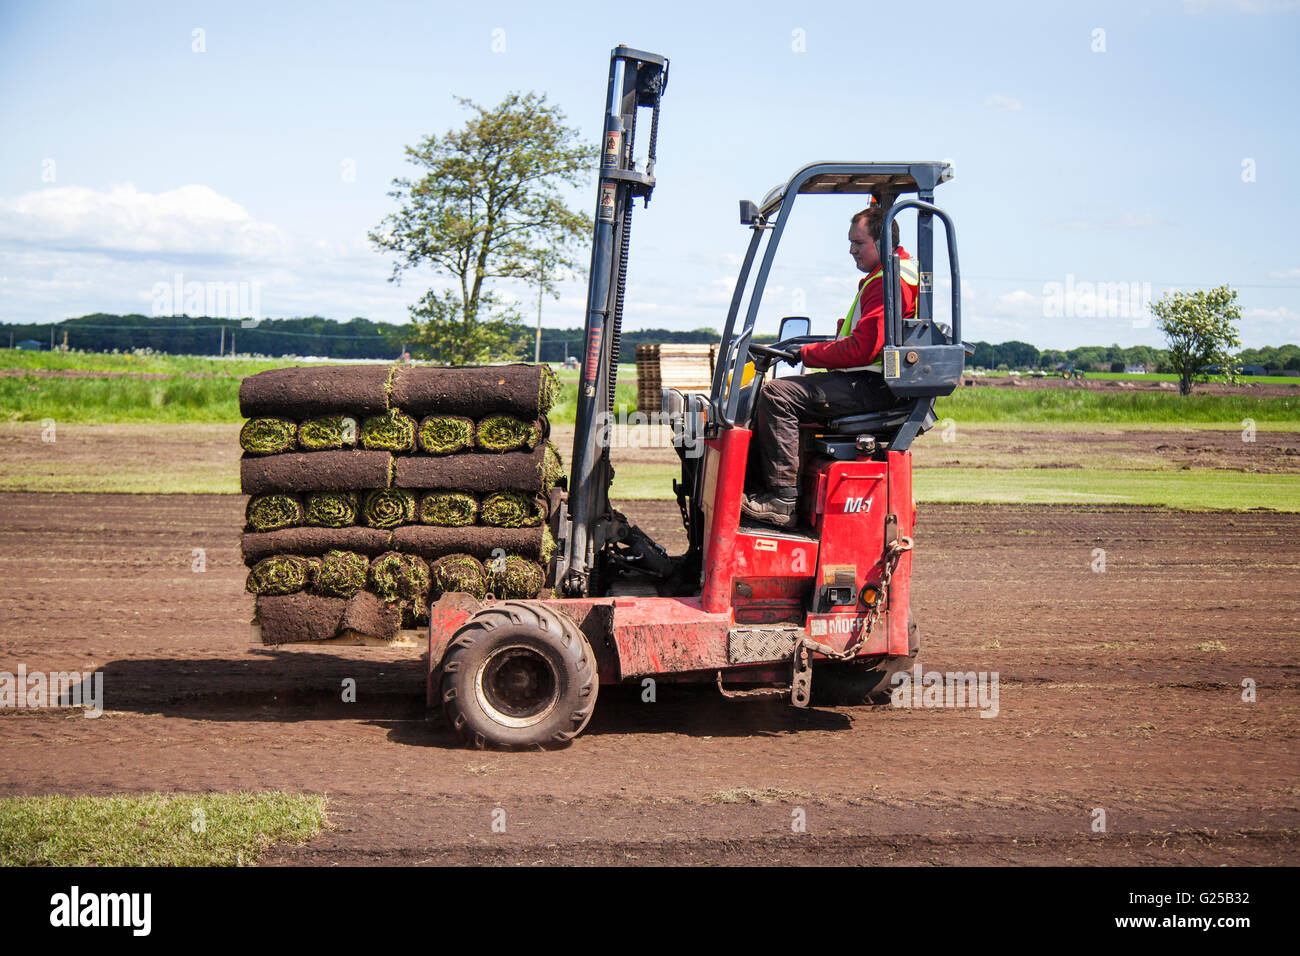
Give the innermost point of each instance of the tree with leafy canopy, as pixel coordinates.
(1199, 327)
(488, 207)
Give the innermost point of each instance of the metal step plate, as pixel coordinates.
(753, 645)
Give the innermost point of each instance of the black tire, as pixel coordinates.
(853, 683)
(518, 675)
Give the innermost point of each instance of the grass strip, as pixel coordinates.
(280, 574)
(224, 829)
(340, 573)
(506, 433)
(389, 507)
(332, 509)
(391, 431)
(400, 578)
(458, 573)
(272, 512)
(510, 509)
(514, 577)
(328, 433)
(449, 509)
(445, 434)
(268, 436)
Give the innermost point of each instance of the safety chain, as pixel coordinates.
(893, 552)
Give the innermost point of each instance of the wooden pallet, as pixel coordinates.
(407, 637)
(687, 367)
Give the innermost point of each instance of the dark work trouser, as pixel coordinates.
(786, 402)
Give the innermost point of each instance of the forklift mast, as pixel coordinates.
(636, 80)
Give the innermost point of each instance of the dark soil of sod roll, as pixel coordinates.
(524, 391)
(314, 542)
(280, 574)
(298, 472)
(340, 573)
(450, 509)
(328, 433)
(332, 509)
(268, 436)
(299, 618)
(458, 573)
(310, 392)
(391, 431)
(272, 512)
(480, 542)
(388, 507)
(507, 433)
(370, 615)
(532, 472)
(446, 434)
(514, 577)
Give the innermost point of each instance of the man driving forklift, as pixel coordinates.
(849, 386)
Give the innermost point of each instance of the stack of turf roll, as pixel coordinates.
(375, 489)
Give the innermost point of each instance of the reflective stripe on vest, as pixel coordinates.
(910, 275)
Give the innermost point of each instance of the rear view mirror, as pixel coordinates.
(794, 326)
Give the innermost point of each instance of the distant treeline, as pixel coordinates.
(362, 338)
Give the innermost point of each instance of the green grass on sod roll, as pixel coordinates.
(398, 577)
(341, 573)
(280, 574)
(332, 509)
(268, 436)
(506, 433)
(513, 577)
(450, 509)
(326, 434)
(389, 507)
(550, 389)
(445, 434)
(391, 431)
(510, 509)
(552, 465)
(458, 573)
(273, 512)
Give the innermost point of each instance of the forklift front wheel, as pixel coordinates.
(519, 675)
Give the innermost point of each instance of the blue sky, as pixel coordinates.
(1150, 145)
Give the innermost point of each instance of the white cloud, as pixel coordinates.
(1285, 274)
(1006, 104)
(1242, 6)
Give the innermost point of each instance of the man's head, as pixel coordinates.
(864, 233)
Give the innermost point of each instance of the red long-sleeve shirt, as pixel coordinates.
(868, 338)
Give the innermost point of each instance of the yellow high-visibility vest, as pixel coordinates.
(911, 275)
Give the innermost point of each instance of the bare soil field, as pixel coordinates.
(1246, 387)
(1120, 690)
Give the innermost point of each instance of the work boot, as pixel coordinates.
(775, 507)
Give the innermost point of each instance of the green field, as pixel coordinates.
(154, 830)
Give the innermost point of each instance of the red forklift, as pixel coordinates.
(818, 613)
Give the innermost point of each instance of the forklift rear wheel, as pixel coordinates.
(519, 675)
(840, 683)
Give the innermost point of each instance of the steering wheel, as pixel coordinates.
(757, 350)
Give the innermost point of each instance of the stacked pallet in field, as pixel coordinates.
(687, 367)
(375, 489)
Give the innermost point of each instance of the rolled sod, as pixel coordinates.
(507, 433)
(268, 436)
(280, 574)
(368, 614)
(510, 509)
(314, 542)
(388, 507)
(532, 472)
(299, 618)
(449, 509)
(458, 573)
(310, 392)
(403, 578)
(391, 431)
(340, 573)
(273, 512)
(325, 434)
(299, 472)
(524, 391)
(431, 543)
(332, 509)
(514, 577)
(446, 434)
